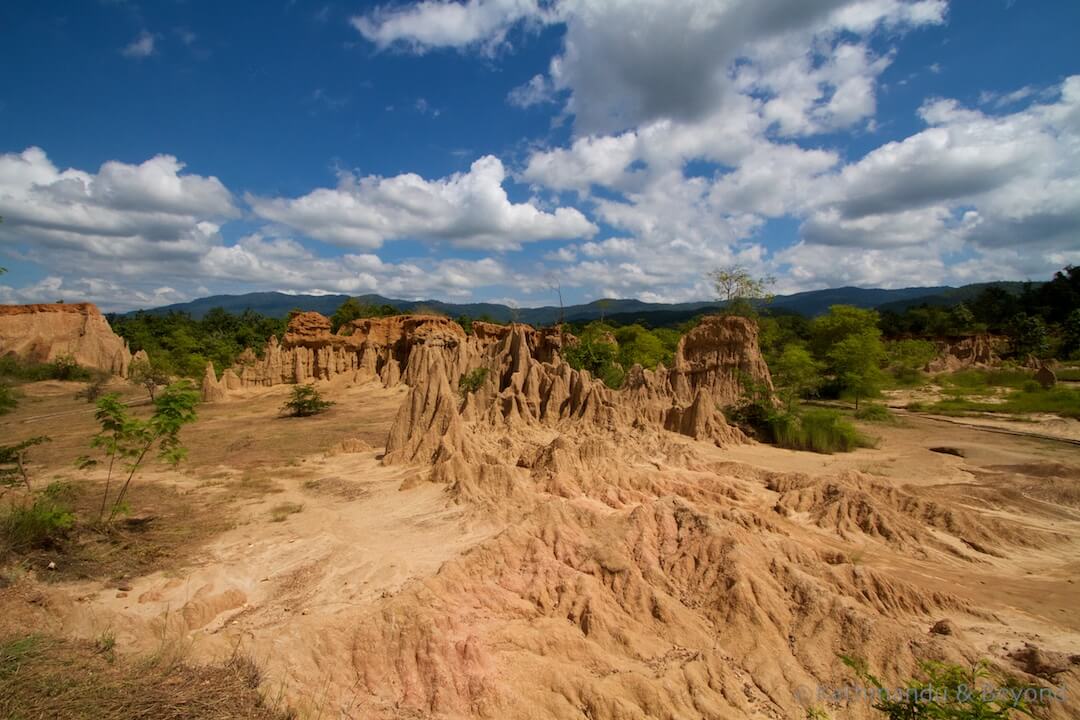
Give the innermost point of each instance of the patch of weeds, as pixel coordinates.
(255, 483)
(8, 400)
(47, 677)
(874, 412)
(43, 523)
(280, 512)
(976, 380)
(944, 690)
(105, 645)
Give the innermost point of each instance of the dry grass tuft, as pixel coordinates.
(47, 677)
(282, 511)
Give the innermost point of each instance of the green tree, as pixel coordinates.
(1028, 335)
(839, 323)
(797, 374)
(856, 363)
(961, 319)
(737, 288)
(353, 309)
(639, 346)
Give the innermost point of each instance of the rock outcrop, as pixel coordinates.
(975, 351)
(526, 382)
(43, 333)
(522, 399)
(213, 390)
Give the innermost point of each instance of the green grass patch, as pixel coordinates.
(973, 381)
(1056, 401)
(820, 431)
(1068, 374)
(42, 523)
(874, 412)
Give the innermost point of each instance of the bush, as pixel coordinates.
(13, 461)
(593, 352)
(63, 368)
(952, 692)
(874, 412)
(472, 381)
(305, 401)
(40, 524)
(8, 401)
(1031, 386)
(93, 390)
(820, 431)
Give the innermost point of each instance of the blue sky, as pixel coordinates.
(152, 152)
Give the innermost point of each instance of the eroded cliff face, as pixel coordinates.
(363, 350)
(522, 393)
(526, 381)
(976, 351)
(45, 332)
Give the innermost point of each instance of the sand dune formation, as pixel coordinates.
(611, 562)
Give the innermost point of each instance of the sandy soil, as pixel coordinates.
(294, 592)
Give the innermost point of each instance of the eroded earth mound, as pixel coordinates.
(43, 333)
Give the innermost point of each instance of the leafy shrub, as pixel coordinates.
(820, 431)
(40, 524)
(305, 401)
(1031, 386)
(874, 412)
(472, 381)
(951, 692)
(593, 352)
(65, 368)
(8, 401)
(93, 390)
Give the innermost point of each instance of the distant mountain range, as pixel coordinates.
(811, 303)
